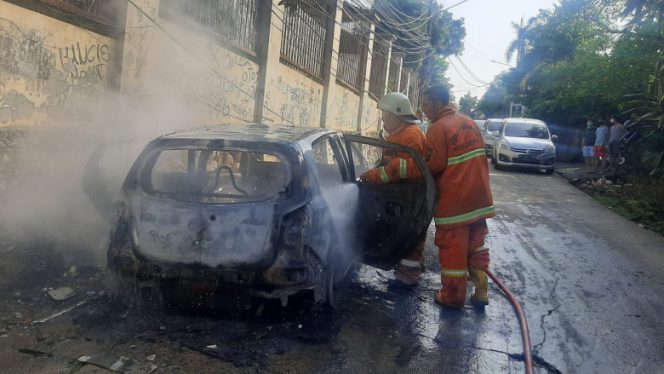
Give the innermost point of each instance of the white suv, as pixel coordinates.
(525, 143)
(492, 128)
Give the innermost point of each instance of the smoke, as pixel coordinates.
(41, 193)
(342, 201)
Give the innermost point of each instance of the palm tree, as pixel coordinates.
(523, 34)
(644, 11)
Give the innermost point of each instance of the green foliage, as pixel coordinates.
(467, 104)
(425, 32)
(640, 200)
(575, 62)
(496, 99)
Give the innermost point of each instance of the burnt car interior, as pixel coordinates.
(215, 176)
(394, 216)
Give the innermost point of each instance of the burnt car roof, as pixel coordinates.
(248, 132)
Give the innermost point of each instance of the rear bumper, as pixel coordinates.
(284, 277)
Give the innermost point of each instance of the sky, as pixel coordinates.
(488, 33)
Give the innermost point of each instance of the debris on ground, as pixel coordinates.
(34, 352)
(108, 362)
(61, 293)
(637, 198)
(58, 314)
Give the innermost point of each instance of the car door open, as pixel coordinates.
(392, 217)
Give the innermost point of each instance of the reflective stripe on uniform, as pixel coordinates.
(456, 273)
(466, 156)
(410, 263)
(402, 169)
(383, 175)
(480, 249)
(464, 217)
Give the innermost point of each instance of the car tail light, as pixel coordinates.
(293, 229)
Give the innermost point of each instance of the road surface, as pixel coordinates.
(591, 284)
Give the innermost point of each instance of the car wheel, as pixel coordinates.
(493, 160)
(549, 171)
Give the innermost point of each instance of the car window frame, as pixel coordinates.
(145, 169)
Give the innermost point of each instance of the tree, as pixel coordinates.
(495, 101)
(424, 31)
(467, 104)
(518, 44)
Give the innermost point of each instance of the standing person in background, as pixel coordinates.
(601, 141)
(401, 125)
(588, 143)
(616, 132)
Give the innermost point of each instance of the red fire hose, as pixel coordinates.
(525, 337)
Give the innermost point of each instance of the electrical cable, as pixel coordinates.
(177, 42)
(452, 6)
(467, 69)
(161, 28)
(460, 75)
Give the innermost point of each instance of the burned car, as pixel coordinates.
(266, 211)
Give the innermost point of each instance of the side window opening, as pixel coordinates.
(327, 163)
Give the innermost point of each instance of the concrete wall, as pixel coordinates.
(292, 97)
(371, 122)
(344, 107)
(186, 64)
(48, 67)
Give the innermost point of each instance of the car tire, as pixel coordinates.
(549, 171)
(493, 160)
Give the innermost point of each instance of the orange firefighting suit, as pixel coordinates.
(411, 136)
(455, 156)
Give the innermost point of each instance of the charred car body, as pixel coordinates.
(251, 209)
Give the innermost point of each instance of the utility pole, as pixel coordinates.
(521, 37)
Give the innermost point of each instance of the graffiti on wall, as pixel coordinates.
(36, 75)
(371, 122)
(296, 104)
(345, 110)
(84, 63)
(230, 88)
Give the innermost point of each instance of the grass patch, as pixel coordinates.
(638, 199)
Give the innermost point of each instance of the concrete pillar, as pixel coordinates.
(389, 62)
(268, 49)
(330, 65)
(408, 73)
(366, 71)
(399, 56)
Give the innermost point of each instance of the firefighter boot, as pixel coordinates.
(453, 293)
(481, 296)
(408, 272)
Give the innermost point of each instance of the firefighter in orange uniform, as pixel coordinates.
(455, 156)
(459, 166)
(400, 122)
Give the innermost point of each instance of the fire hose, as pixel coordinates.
(525, 336)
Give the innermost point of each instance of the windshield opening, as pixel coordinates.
(527, 130)
(216, 176)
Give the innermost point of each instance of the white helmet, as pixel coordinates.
(398, 104)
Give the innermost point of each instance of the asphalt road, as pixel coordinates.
(591, 284)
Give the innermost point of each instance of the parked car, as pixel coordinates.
(256, 210)
(480, 124)
(525, 143)
(492, 128)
